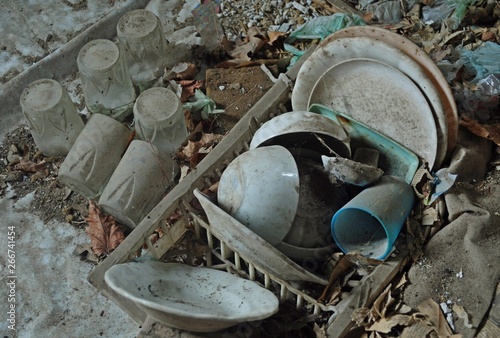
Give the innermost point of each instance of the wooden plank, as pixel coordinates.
(342, 7)
(365, 294)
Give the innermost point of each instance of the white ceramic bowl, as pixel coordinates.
(191, 298)
(260, 188)
(297, 129)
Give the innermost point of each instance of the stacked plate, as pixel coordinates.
(385, 81)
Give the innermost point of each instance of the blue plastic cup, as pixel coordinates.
(371, 221)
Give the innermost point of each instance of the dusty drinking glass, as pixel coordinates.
(106, 81)
(159, 119)
(51, 115)
(94, 156)
(138, 183)
(140, 35)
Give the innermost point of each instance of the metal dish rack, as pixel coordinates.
(361, 290)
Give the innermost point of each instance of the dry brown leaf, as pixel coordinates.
(488, 131)
(29, 166)
(189, 87)
(253, 43)
(360, 316)
(462, 314)
(184, 71)
(385, 325)
(190, 150)
(489, 36)
(433, 314)
(105, 234)
(209, 139)
(274, 36)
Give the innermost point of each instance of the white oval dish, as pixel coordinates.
(191, 298)
(383, 98)
(260, 188)
(333, 51)
(419, 56)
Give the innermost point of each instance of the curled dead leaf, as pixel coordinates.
(253, 43)
(29, 166)
(104, 232)
(488, 131)
(189, 87)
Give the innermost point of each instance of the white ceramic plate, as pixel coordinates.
(383, 98)
(419, 56)
(191, 298)
(334, 51)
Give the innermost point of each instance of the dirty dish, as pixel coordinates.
(371, 221)
(383, 98)
(252, 247)
(260, 188)
(419, 56)
(296, 130)
(394, 159)
(191, 298)
(339, 50)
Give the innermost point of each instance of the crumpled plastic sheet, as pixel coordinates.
(320, 28)
(451, 11)
(386, 11)
(483, 61)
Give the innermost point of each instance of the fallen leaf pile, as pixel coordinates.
(390, 317)
(192, 153)
(104, 232)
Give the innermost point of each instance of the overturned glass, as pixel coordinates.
(51, 115)
(106, 81)
(140, 36)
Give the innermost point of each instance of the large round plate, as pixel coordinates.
(383, 98)
(333, 51)
(419, 56)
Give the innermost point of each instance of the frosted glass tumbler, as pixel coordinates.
(51, 115)
(140, 36)
(371, 221)
(138, 183)
(94, 156)
(106, 82)
(159, 119)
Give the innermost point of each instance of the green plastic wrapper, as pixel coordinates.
(320, 28)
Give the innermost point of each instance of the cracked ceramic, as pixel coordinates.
(106, 82)
(333, 51)
(94, 156)
(138, 183)
(260, 188)
(298, 129)
(159, 119)
(140, 35)
(51, 115)
(191, 298)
